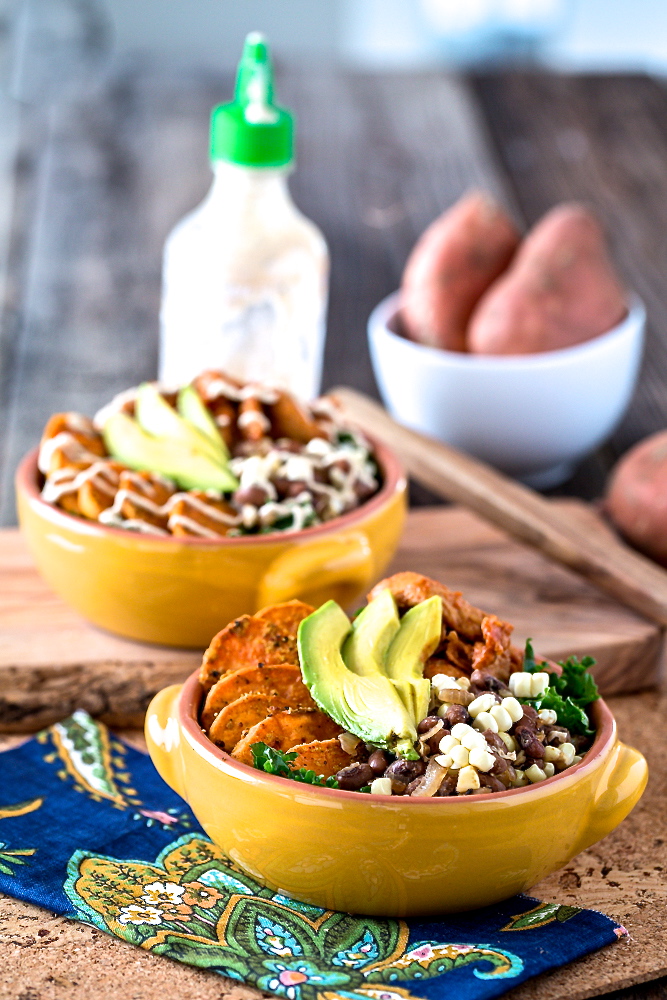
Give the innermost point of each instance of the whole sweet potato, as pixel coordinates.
(451, 266)
(636, 498)
(560, 290)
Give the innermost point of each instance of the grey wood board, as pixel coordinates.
(108, 173)
(602, 140)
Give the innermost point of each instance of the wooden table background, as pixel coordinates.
(99, 179)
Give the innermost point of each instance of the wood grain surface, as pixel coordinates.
(52, 661)
(605, 560)
(44, 957)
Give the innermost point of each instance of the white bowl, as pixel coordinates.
(534, 416)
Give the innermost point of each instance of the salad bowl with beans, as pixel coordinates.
(283, 500)
(515, 765)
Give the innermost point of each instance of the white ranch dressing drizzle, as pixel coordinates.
(62, 482)
(72, 449)
(221, 387)
(253, 417)
(192, 526)
(166, 510)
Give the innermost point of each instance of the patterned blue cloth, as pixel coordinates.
(90, 830)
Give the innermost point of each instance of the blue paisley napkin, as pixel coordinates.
(90, 830)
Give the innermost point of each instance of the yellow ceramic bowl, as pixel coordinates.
(181, 591)
(384, 855)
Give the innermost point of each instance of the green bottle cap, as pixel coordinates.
(251, 130)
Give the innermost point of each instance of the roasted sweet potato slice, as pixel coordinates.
(324, 757)
(235, 719)
(285, 730)
(246, 642)
(287, 616)
(280, 682)
(435, 665)
(289, 419)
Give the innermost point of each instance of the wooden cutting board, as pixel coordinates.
(52, 661)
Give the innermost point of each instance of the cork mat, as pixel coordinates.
(43, 957)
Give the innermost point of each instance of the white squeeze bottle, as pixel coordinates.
(245, 275)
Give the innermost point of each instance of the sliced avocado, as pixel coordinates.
(192, 408)
(417, 638)
(157, 417)
(128, 443)
(365, 649)
(367, 706)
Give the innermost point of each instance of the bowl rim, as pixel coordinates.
(191, 694)
(394, 481)
(630, 326)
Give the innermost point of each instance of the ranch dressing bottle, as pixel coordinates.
(245, 274)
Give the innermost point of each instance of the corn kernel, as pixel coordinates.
(443, 681)
(577, 759)
(538, 684)
(472, 739)
(461, 729)
(481, 704)
(567, 753)
(552, 754)
(460, 757)
(463, 683)
(502, 717)
(513, 708)
(509, 742)
(520, 686)
(547, 716)
(447, 742)
(468, 779)
(481, 759)
(443, 759)
(442, 711)
(520, 780)
(485, 721)
(549, 770)
(535, 774)
(381, 786)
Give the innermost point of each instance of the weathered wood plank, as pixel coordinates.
(600, 139)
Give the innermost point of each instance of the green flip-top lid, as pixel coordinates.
(251, 130)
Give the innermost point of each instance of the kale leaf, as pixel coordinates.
(271, 761)
(569, 694)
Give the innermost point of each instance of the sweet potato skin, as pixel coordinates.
(452, 264)
(324, 757)
(560, 290)
(636, 499)
(285, 730)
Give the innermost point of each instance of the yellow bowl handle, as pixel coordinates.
(163, 737)
(621, 785)
(340, 567)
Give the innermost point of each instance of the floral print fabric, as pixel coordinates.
(89, 829)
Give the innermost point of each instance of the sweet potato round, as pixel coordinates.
(560, 290)
(451, 266)
(636, 498)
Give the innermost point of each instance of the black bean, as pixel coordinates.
(354, 776)
(409, 789)
(404, 771)
(529, 713)
(456, 714)
(378, 762)
(428, 723)
(491, 784)
(485, 680)
(494, 740)
(499, 766)
(254, 495)
(448, 786)
(529, 742)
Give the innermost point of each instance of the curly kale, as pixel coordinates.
(271, 761)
